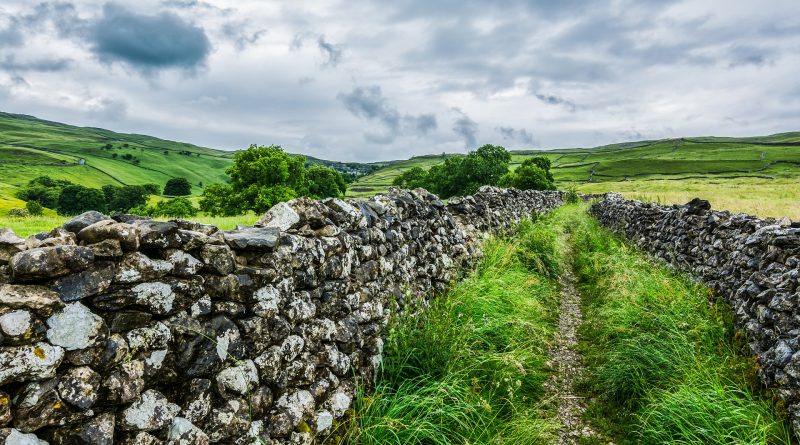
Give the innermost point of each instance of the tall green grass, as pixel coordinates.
(469, 369)
(665, 368)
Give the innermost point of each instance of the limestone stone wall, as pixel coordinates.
(141, 332)
(753, 263)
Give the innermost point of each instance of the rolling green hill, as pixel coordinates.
(31, 147)
(757, 175)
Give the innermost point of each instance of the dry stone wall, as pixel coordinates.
(133, 331)
(753, 263)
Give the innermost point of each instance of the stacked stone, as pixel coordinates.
(134, 331)
(753, 263)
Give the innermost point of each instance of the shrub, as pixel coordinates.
(75, 199)
(43, 189)
(18, 213)
(34, 208)
(324, 182)
(122, 199)
(533, 174)
(177, 187)
(175, 208)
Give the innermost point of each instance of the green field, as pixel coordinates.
(757, 175)
(753, 175)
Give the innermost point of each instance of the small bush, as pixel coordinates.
(34, 208)
(18, 213)
(175, 208)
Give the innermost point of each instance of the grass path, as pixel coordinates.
(665, 365)
(568, 368)
(565, 335)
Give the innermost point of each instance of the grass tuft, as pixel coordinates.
(470, 368)
(666, 367)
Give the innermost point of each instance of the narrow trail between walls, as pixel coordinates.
(568, 367)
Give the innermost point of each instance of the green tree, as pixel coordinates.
(176, 208)
(122, 199)
(152, 189)
(44, 190)
(325, 182)
(533, 174)
(34, 208)
(219, 199)
(412, 178)
(177, 187)
(260, 178)
(75, 199)
(465, 175)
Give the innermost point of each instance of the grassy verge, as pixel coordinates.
(665, 368)
(35, 224)
(470, 368)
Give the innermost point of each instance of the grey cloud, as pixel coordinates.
(240, 36)
(148, 42)
(63, 16)
(108, 109)
(467, 129)
(332, 53)
(10, 36)
(368, 103)
(10, 63)
(423, 124)
(746, 55)
(517, 135)
(195, 4)
(298, 40)
(556, 100)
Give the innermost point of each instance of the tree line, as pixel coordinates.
(488, 165)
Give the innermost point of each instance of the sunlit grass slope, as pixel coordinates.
(753, 175)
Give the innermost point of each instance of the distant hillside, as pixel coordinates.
(766, 157)
(31, 147)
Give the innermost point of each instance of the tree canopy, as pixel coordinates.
(263, 176)
(460, 175)
(533, 174)
(177, 187)
(68, 198)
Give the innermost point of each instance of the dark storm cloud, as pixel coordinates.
(517, 135)
(331, 52)
(368, 103)
(148, 42)
(467, 129)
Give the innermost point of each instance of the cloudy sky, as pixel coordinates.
(358, 80)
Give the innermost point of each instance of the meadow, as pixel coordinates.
(753, 175)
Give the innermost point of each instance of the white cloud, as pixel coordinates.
(520, 72)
